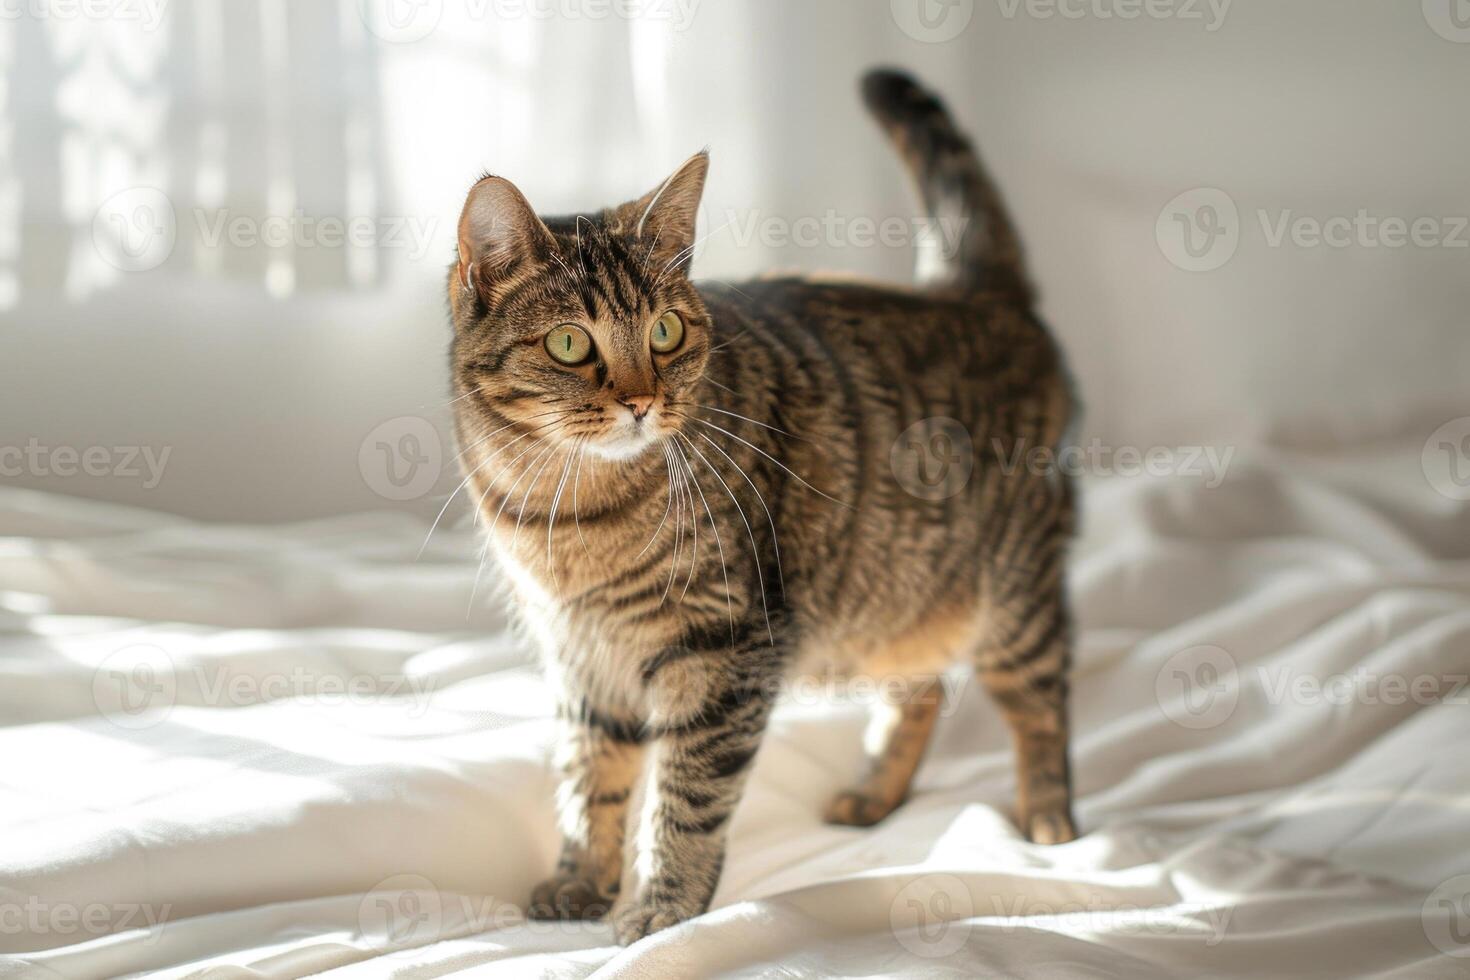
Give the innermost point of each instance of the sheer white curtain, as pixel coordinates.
(213, 112)
(264, 365)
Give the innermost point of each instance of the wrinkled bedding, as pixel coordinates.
(233, 751)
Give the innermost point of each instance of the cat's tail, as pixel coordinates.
(970, 243)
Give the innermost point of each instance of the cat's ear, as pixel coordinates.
(498, 232)
(662, 221)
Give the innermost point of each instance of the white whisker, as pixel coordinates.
(763, 425)
(577, 479)
(773, 459)
(678, 540)
(731, 285)
(750, 532)
(459, 398)
(526, 497)
(719, 546)
(775, 542)
(685, 252)
(668, 507)
(530, 418)
(485, 548)
(581, 257)
(652, 245)
(567, 269)
(462, 483)
(728, 341)
(693, 558)
(551, 521)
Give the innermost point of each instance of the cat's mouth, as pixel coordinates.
(629, 437)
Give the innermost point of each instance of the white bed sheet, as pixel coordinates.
(277, 827)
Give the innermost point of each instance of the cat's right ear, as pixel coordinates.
(498, 232)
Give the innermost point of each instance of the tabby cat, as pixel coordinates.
(691, 489)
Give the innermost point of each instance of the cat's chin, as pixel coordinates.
(623, 447)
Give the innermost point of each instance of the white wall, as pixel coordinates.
(262, 374)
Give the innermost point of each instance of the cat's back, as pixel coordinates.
(852, 333)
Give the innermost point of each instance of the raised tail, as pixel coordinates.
(972, 244)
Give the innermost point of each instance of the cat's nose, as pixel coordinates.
(637, 404)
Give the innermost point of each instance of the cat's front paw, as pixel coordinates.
(645, 916)
(1050, 827)
(567, 897)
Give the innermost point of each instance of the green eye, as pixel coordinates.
(569, 344)
(668, 332)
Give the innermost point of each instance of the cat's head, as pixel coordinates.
(582, 328)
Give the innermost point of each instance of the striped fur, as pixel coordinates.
(674, 570)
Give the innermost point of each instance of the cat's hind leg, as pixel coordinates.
(1025, 656)
(898, 734)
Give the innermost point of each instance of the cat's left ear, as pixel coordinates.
(662, 221)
